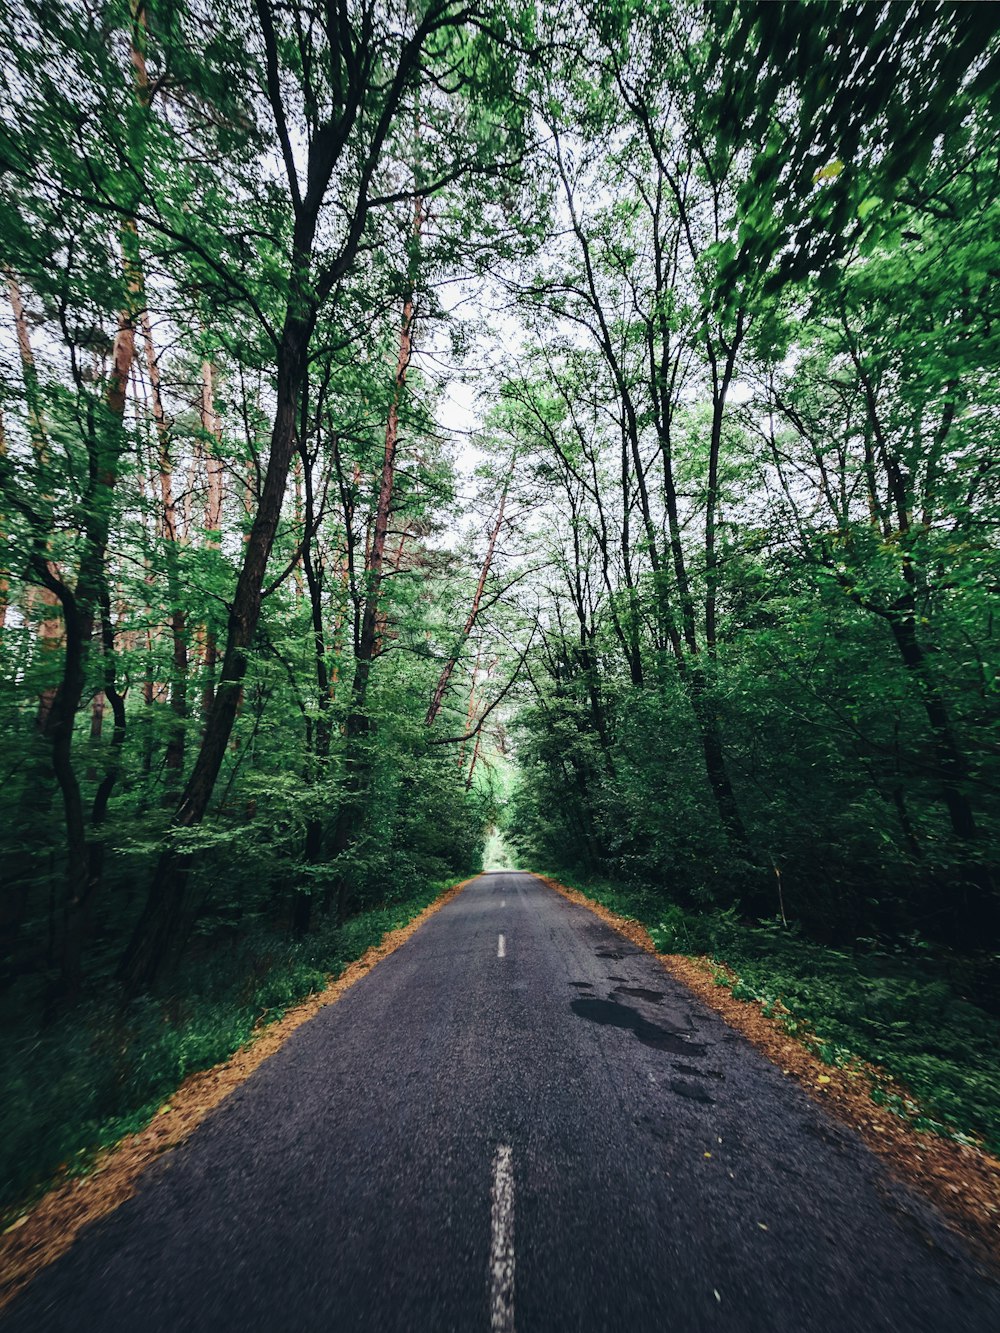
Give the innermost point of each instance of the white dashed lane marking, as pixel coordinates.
(502, 1241)
(501, 947)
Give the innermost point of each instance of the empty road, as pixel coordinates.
(515, 1121)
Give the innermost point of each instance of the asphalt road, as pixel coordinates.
(541, 1133)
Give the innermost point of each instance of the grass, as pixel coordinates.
(102, 1071)
(893, 1005)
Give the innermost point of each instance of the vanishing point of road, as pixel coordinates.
(517, 1121)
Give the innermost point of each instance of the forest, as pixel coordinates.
(432, 421)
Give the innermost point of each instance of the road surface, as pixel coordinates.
(517, 1121)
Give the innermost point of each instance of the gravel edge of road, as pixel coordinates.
(962, 1182)
(49, 1228)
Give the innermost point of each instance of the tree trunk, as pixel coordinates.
(951, 762)
(715, 761)
(320, 735)
(975, 915)
(174, 759)
(4, 572)
(80, 609)
(212, 434)
(157, 932)
(470, 620)
(472, 765)
(50, 628)
(351, 811)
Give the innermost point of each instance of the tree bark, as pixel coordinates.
(320, 732)
(50, 628)
(4, 572)
(951, 762)
(174, 759)
(81, 606)
(162, 920)
(470, 620)
(351, 811)
(212, 434)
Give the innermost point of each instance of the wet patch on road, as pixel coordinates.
(640, 993)
(701, 1073)
(609, 1013)
(694, 1092)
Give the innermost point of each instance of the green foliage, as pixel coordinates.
(737, 639)
(898, 1013)
(102, 1071)
(765, 416)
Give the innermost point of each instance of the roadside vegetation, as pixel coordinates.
(418, 417)
(902, 1006)
(104, 1071)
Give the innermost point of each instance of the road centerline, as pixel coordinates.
(502, 1242)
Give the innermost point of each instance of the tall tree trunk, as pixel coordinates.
(472, 765)
(951, 762)
(350, 815)
(977, 912)
(320, 734)
(174, 759)
(162, 922)
(4, 572)
(470, 620)
(112, 768)
(81, 606)
(212, 435)
(50, 628)
(470, 711)
(721, 379)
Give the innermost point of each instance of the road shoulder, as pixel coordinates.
(961, 1181)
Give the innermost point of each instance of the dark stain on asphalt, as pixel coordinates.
(694, 1092)
(640, 993)
(701, 1073)
(582, 985)
(609, 1013)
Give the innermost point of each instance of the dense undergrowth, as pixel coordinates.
(102, 1071)
(901, 1006)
